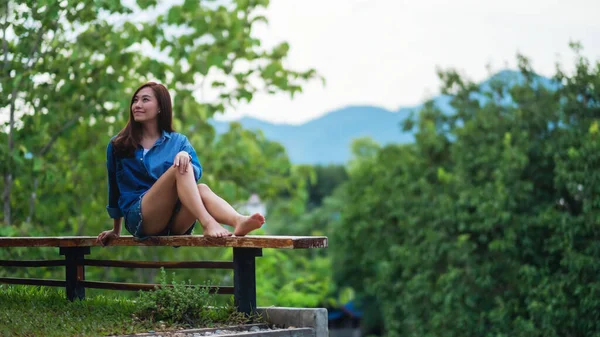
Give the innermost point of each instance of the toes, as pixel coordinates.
(220, 234)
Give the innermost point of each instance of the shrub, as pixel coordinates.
(185, 304)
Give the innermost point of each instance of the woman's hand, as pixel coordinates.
(182, 160)
(105, 237)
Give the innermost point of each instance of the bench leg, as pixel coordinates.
(244, 279)
(74, 271)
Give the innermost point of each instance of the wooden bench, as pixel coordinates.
(74, 249)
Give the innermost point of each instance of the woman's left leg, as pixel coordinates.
(221, 211)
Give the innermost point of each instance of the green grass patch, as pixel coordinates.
(38, 311)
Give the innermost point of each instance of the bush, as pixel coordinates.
(488, 224)
(185, 304)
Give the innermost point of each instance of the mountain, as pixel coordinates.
(326, 140)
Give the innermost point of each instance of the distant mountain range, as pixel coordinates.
(326, 140)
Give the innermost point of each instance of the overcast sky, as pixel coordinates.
(385, 52)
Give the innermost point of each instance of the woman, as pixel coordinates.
(152, 175)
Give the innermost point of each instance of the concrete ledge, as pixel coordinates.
(233, 331)
(315, 318)
(285, 322)
(302, 332)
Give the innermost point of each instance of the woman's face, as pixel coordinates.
(144, 106)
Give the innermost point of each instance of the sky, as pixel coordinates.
(386, 52)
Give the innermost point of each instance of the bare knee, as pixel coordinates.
(175, 170)
(203, 188)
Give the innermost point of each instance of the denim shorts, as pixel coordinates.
(133, 221)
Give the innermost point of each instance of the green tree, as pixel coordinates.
(66, 65)
(487, 224)
(326, 179)
(67, 72)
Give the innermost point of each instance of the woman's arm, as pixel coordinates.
(113, 188)
(117, 226)
(113, 199)
(187, 147)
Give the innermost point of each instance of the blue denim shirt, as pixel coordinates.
(130, 177)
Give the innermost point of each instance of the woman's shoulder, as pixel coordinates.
(177, 136)
(111, 141)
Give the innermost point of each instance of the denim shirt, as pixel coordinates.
(130, 177)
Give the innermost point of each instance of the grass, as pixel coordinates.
(37, 311)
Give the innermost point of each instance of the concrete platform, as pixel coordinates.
(235, 331)
(280, 322)
(314, 318)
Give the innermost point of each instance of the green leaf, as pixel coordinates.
(145, 4)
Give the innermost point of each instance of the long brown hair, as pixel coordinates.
(130, 136)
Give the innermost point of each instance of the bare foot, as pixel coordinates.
(246, 224)
(215, 230)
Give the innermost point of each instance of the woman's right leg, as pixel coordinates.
(221, 211)
(159, 201)
(224, 213)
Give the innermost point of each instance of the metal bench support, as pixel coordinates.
(75, 272)
(244, 279)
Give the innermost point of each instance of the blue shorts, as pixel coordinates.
(133, 221)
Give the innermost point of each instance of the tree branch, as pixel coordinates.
(4, 40)
(44, 52)
(32, 200)
(11, 123)
(52, 140)
(6, 197)
(8, 173)
(38, 43)
(36, 46)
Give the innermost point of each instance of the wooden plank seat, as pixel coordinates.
(74, 248)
